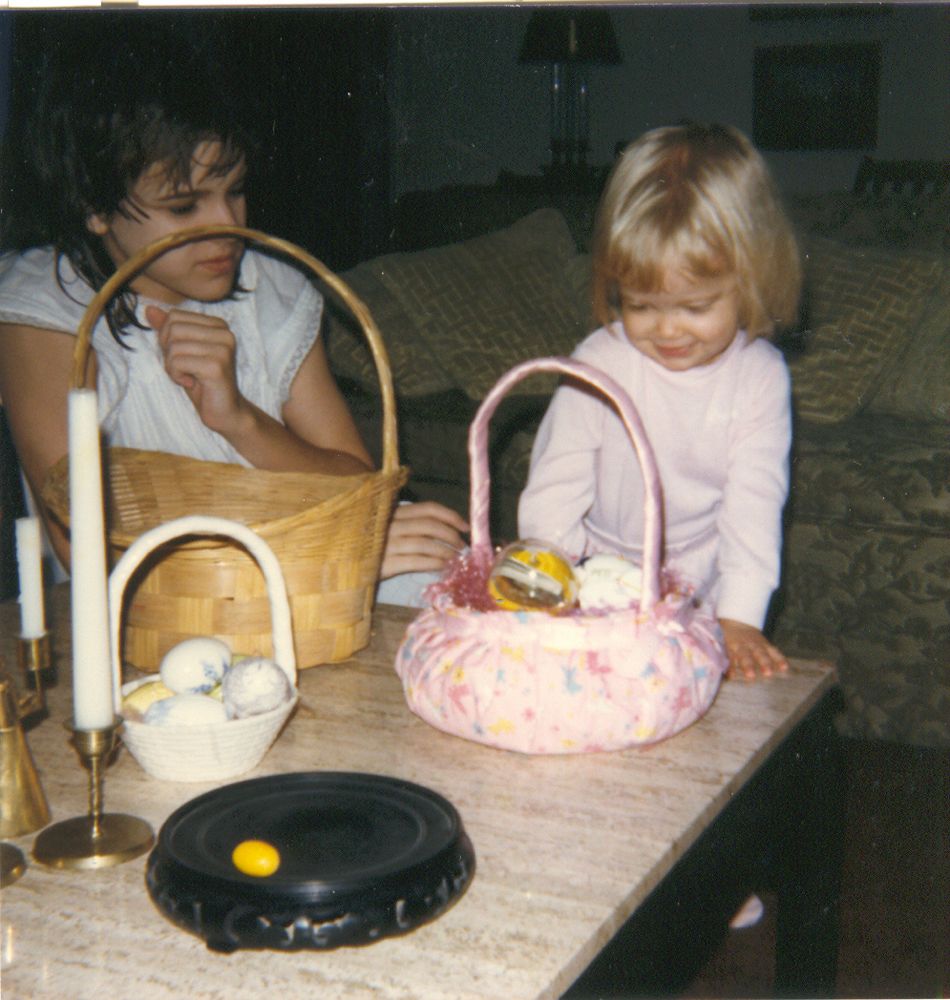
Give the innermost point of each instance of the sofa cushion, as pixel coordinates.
(580, 281)
(433, 442)
(865, 579)
(875, 603)
(862, 308)
(875, 473)
(486, 304)
(918, 388)
(415, 372)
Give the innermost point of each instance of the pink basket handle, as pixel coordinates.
(653, 501)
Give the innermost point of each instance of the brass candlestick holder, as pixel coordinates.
(34, 660)
(97, 840)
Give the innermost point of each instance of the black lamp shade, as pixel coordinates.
(576, 36)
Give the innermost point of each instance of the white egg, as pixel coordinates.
(185, 710)
(608, 581)
(195, 666)
(254, 686)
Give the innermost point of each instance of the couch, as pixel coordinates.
(867, 551)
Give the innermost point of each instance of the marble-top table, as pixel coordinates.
(567, 848)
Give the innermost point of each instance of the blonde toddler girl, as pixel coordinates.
(695, 265)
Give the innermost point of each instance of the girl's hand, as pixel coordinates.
(199, 353)
(422, 536)
(751, 655)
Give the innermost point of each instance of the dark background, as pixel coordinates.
(364, 104)
(316, 84)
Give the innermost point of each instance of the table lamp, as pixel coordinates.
(570, 40)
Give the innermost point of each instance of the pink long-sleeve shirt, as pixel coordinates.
(721, 433)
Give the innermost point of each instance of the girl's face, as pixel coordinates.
(204, 270)
(687, 324)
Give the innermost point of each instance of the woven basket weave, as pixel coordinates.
(328, 532)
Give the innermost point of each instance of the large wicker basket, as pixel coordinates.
(328, 532)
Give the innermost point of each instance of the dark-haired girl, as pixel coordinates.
(214, 350)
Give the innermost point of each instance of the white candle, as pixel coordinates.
(29, 563)
(92, 667)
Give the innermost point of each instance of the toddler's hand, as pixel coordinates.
(751, 655)
(422, 536)
(199, 353)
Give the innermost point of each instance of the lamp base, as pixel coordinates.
(75, 843)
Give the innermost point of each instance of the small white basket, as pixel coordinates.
(224, 749)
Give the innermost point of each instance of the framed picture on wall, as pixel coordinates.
(816, 96)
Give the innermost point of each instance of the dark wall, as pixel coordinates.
(364, 104)
(317, 79)
(680, 60)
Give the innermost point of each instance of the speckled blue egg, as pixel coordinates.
(254, 686)
(195, 666)
(185, 710)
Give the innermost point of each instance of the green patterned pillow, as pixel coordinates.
(863, 305)
(919, 387)
(487, 303)
(579, 281)
(415, 372)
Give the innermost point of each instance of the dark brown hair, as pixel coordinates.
(104, 107)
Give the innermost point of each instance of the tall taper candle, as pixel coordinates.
(93, 700)
(29, 564)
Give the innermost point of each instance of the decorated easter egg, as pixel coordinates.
(136, 703)
(253, 686)
(534, 576)
(195, 666)
(608, 581)
(185, 710)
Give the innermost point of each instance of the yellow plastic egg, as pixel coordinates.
(534, 576)
(256, 857)
(136, 703)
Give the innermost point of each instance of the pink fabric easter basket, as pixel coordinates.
(578, 682)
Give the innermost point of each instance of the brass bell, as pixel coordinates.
(23, 806)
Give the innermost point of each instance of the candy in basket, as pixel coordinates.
(573, 681)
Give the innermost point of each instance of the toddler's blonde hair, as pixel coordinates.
(700, 196)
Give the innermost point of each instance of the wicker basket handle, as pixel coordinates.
(653, 504)
(203, 524)
(140, 260)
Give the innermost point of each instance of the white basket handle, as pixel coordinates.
(653, 500)
(204, 524)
